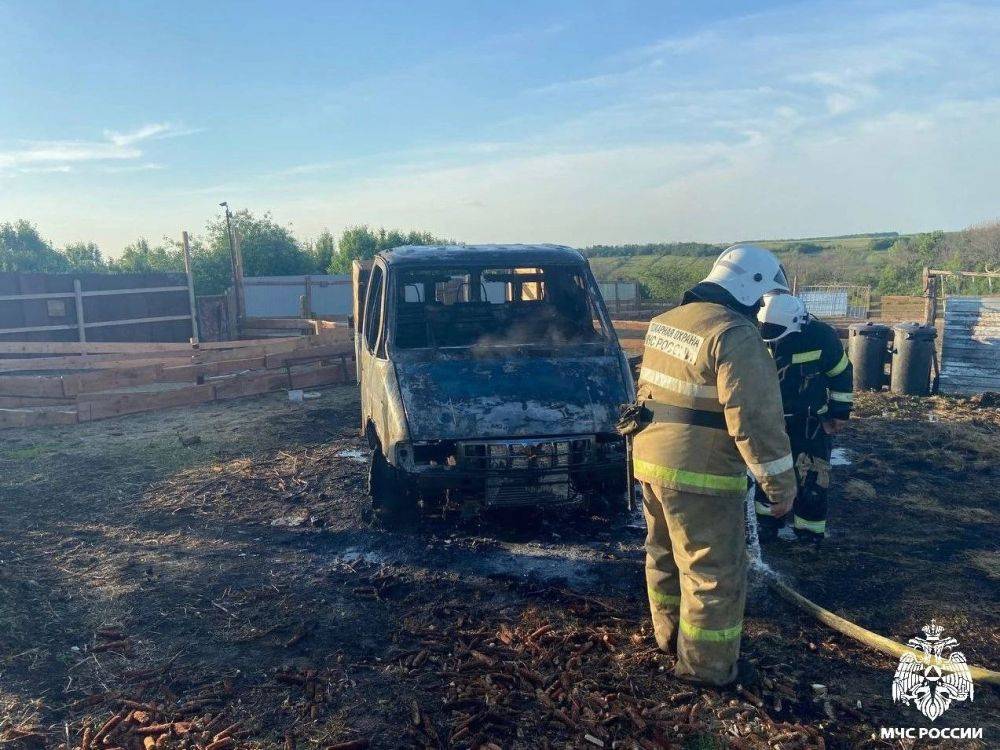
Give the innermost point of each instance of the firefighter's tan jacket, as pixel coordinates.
(705, 357)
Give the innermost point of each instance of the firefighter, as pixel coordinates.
(816, 393)
(708, 408)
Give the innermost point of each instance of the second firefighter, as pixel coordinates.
(816, 393)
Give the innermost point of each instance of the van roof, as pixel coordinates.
(504, 255)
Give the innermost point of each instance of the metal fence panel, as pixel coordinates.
(970, 350)
(837, 301)
(281, 296)
(94, 307)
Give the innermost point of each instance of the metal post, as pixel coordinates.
(233, 264)
(309, 299)
(190, 285)
(80, 327)
(930, 297)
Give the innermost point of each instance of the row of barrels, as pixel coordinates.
(902, 357)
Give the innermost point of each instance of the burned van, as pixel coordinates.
(489, 375)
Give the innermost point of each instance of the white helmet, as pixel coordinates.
(781, 315)
(748, 273)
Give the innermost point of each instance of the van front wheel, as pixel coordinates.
(389, 495)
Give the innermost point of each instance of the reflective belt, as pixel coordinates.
(799, 357)
(772, 468)
(817, 527)
(731, 483)
(839, 367)
(844, 397)
(705, 634)
(663, 600)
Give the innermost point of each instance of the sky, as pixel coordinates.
(571, 122)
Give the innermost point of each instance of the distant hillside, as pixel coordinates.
(888, 262)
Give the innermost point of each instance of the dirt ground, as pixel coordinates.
(212, 577)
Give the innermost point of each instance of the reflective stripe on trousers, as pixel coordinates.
(707, 634)
(667, 475)
(663, 600)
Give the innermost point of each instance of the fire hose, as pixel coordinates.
(865, 637)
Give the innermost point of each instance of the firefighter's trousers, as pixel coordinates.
(696, 579)
(811, 447)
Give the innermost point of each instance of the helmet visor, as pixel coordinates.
(781, 279)
(772, 331)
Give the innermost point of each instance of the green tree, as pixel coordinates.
(322, 251)
(362, 242)
(23, 249)
(84, 257)
(268, 248)
(141, 257)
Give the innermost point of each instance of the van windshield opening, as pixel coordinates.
(495, 307)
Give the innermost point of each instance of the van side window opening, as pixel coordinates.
(373, 309)
(486, 307)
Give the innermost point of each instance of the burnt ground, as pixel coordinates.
(213, 577)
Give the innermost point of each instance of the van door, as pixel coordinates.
(371, 348)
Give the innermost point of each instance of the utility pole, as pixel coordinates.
(237, 292)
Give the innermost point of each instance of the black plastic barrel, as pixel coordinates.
(868, 344)
(912, 355)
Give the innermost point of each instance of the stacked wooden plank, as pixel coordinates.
(262, 328)
(43, 383)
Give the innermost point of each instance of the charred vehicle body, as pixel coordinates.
(489, 374)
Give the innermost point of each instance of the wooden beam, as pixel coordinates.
(22, 402)
(104, 405)
(320, 376)
(314, 353)
(109, 380)
(94, 347)
(36, 417)
(969, 274)
(252, 384)
(31, 385)
(190, 373)
(295, 323)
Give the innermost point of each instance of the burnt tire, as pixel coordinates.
(388, 493)
(609, 504)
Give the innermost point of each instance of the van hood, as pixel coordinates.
(459, 399)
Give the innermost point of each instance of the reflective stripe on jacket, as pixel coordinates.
(707, 357)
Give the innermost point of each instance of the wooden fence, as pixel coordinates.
(46, 383)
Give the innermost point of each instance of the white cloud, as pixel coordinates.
(125, 168)
(838, 104)
(53, 155)
(58, 168)
(895, 171)
(48, 152)
(146, 132)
